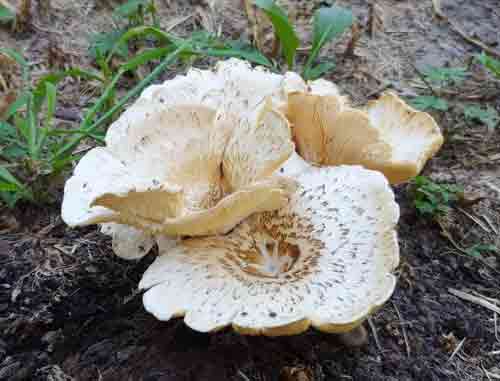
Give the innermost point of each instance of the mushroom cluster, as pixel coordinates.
(269, 198)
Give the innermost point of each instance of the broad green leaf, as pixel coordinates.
(329, 23)
(319, 70)
(426, 102)
(445, 75)
(283, 29)
(490, 63)
(6, 15)
(102, 43)
(488, 116)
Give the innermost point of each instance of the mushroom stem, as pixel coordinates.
(355, 338)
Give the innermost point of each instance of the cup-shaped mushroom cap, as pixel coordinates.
(162, 170)
(388, 136)
(324, 260)
(414, 136)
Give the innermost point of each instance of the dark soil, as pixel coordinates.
(70, 309)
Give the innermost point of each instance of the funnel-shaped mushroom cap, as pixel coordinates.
(162, 171)
(389, 136)
(323, 260)
(414, 136)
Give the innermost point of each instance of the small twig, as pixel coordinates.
(424, 80)
(405, 337)
(178, 22)
(374, 333)
(474, 299)
(243, 375)
(476, 220)
(495, 320)
(459, 346)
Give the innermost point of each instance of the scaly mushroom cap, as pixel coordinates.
(324, 260)
(180, 170)
(388, 136)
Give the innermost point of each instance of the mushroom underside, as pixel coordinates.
(325, 261)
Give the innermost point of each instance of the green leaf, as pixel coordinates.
(283, 29)
(329, 23)
(488, 116)
(102, 43)
(318, 70)
(145, 57)
(6, 176)
(250, 55)
(477, 250)
(6, 15)
(7, 131)
(445, 75)
(130, 8)
(426, 102)
(40, 90)
(51, 108)
(142, 32)
(16, 106)
(490, 63)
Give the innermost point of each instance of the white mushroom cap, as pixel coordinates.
(325, 261)
(389, 136)
(182, 169)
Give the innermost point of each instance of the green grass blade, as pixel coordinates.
(6, 176)
(20, 102)
(51, 109)
(32, 129)
(318, 70)
(250, 55)
(142, 31)
(40, 90)
(283, 29)
(329, 23)
(145, 57)
(490, 63)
